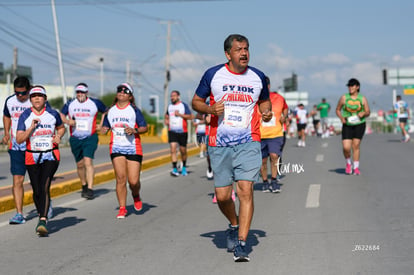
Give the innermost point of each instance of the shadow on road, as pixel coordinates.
(219, 238)
(338, 171)
(394, 140)
(56, 212)
(145, 208)
(57, 225)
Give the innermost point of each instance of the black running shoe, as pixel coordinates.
(84, 191)
(89, 194)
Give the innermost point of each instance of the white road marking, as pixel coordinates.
(312, 201)
(324, 145)
(69, 203)
(319, 158)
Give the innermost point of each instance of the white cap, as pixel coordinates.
(37, 90)
(81, 88)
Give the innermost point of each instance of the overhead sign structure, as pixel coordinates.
(403, 76)
(409, 90)
(290, 84)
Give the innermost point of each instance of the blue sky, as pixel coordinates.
(324, 42)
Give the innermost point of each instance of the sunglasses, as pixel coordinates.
(37, 95)
(21, 93)
(123, 89)
(80, 92)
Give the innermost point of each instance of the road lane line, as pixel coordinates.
(312, 201)
(324, 145)
(319, 158)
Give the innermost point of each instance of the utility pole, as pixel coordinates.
(101, 62)
(14, 70)
(59, 53)
(167, 63)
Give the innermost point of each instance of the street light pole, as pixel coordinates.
(59, 53)
(101, 61)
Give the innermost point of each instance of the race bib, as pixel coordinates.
(201, 128)
(41, 143)
(353, 119)
(271, 122)
(236, 117)
(175, 122)
(120, 136)
(82, 125)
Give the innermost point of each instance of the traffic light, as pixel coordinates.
(384, 77)
(152, 104)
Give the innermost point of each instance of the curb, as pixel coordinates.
(7, 203)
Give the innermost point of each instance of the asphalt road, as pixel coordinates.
(67, 162)
(323, 221)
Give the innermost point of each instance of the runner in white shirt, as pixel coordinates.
(126, 123)
(14, 106)
(301, 122)
(401, 109)
(176, 118)
(80, 114)
(41, 128)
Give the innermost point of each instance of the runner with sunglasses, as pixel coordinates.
(126, 123)
(40, 128)
(13, 108)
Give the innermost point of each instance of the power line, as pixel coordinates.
(95, 3)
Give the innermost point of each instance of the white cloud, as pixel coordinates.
(335, 59)
(326, 77)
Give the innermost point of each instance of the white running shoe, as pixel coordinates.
(210, 175)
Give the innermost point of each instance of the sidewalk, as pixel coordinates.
(67, 182)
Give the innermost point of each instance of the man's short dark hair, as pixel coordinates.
(175, 91)
(22, 81)
(228, 43)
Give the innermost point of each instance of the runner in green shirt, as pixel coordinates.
(324, 109)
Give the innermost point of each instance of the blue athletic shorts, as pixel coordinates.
(17, 163)
(84, 147)
(234, 163)
(272, 145)
(201, 138)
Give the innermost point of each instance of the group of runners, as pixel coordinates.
(246, 128)
(33, 130)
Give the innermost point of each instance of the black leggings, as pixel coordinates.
(41, 176)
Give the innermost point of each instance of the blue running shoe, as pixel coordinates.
(184, 171)
(240, 254)
(266, 187)
(17, 219)
(50, 211)
(232, 237)
(275, 186)
(174, 172)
